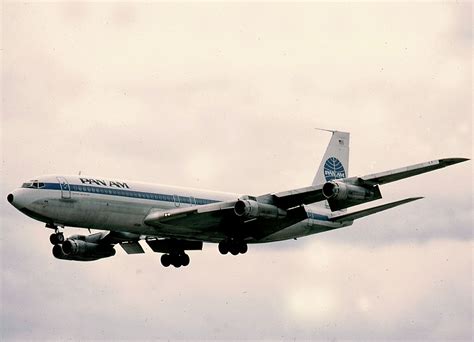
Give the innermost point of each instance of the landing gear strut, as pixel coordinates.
(233, 246)
(175, 259)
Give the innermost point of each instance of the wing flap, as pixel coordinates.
(196, 216)
(132, 247)
(370, 211)
(297, 197)
(170, 245)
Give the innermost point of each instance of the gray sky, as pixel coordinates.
(225, 97)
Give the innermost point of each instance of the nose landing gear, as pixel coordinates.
(56, 238)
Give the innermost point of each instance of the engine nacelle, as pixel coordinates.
(78, 249)
(342, 191)
(253, 209)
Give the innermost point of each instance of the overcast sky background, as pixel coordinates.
(225, 97)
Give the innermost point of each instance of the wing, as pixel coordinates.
(408, 171)
(370, 183)
(213, 222)
(198, 216)
(296, 197)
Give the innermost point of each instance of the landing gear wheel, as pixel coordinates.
(223, 247)
(234, 249)
(166, 260)
(184, 258)
(233, 246)
(60, 237)
(56, 238)
(176, 260)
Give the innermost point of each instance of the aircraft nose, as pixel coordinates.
(17, 199)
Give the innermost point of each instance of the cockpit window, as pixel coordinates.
(33, 184)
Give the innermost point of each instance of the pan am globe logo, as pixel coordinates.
(333, 169)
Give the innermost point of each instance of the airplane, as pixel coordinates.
(173, 220)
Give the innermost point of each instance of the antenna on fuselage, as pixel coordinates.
(80, 173)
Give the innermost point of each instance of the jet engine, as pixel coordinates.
(252, 209)
(342, 191)
(77, 248)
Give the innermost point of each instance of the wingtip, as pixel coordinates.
(411, 199)
(452, 161)
(416, 198)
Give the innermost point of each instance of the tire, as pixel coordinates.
(184, 259)
(166, 260)
(243, 248)
(223, 247)
(176, 262)
(53, 238)
(60, 237)
(234, 249)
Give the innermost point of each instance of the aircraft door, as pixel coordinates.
(310, 219)
(65, 188)
(177, 203)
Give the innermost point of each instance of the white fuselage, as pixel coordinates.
(99, 203)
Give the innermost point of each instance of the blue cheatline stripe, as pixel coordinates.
(318, 217)
(129, 193)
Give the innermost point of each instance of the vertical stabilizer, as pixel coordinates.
(335, 163)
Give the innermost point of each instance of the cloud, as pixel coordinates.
(225, 97)
(322, 289)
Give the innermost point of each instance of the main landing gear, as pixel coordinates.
(233, 246)
(175, 259)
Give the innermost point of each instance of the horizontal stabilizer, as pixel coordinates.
(370, 211)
